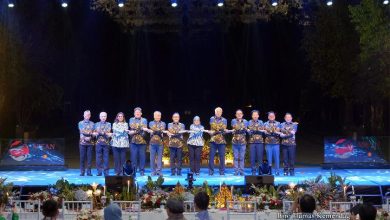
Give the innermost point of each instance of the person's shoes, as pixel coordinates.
(235, 173)
(242, 173)
(196, 174)
(277, 173)
(211, 173)
(179, 173)
(173, 173)
(82, 174)
(89, 174)
(99, 174)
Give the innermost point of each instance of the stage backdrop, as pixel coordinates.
(355, 150)
(32, 153)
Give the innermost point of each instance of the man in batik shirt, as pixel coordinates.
(217, 131)
(272, 141)
(102, 132)
(86, 143)
(256, 142)
(138, 126)
(239, 126)
(156, 129)
(288, 145)
(176, 143)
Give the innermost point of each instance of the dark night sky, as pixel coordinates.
(102, 68)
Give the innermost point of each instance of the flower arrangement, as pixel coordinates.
(151, 185)
(333, 189)
(42, 196)
(223, 196)
(204, 188)
(383, 216)
(179, 192)
(154, 199)
(267, 197)
(88, 215)
(5, 192)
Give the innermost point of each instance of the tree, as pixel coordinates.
(372, 24)
(332, 48)
(24, 93)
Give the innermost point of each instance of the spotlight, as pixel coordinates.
(220, 3)
(174, 3)
(274, 3)
(385, 2)
(64, 3)
(329, 2)
(121, 3)
(11, 4)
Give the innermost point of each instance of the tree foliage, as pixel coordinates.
(159, 16)
(373, 25)
(24, 93)
(332, 49)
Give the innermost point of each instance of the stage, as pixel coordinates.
(356, 177)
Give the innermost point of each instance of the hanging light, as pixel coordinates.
(174, 3)
(274, 3)
(64, 3)
(121, 3)
(11, 4)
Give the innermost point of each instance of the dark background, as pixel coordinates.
(102, 68)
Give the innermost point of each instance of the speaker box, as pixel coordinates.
(258, 181)
(116, 183)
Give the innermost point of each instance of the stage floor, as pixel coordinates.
(354, 176)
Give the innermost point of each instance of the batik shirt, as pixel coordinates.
(196, 137)
(255, 135)
(218, 125)
(86, 129)
(272, 127)
(176, 140)
(239, 131)
(136, 124)
(156, 138)
(120, 137)
(102, 128)
(286, 128)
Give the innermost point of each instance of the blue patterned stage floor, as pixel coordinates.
(371, 177)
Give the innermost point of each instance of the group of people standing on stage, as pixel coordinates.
(120, 136)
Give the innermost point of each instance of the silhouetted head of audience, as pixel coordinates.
(50, 209)
(307, 203)
(201, 201)
(367, 212)
(174, 207)
(112, 212)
